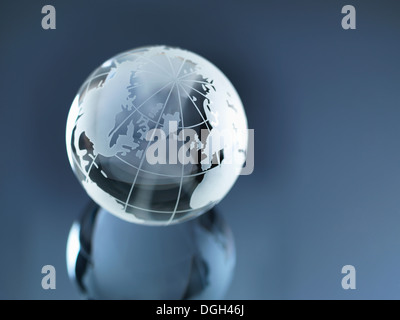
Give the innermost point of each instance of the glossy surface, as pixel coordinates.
(109, 258)
(110, 133)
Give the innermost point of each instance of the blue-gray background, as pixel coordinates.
(324, 103)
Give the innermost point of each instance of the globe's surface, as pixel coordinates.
(111, 259)
(157, 135)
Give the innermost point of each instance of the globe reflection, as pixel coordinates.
(109, 258)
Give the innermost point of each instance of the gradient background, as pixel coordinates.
(324, 103)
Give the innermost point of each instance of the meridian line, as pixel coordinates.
(183, 165)
(180, 68)
(201, 117)
(90, 167)
(170, 64)
(148, 144)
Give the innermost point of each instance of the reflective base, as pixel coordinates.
(109, 258)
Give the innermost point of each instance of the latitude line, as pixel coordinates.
(149, 210)
(144, 209)
(196, 90)
(198, 81)
(148, 144)
(163, 174)
(153, 121)
(140, 54)
(94, 77)
(201, 115)
(156, 64)
(186, 74)
(136, 207)
(153, 72)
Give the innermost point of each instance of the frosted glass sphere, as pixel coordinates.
(157, 135)
(108, 258)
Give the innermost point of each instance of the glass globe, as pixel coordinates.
(109, 258)
(157, 135)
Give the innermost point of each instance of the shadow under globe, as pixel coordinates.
(109, 258)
